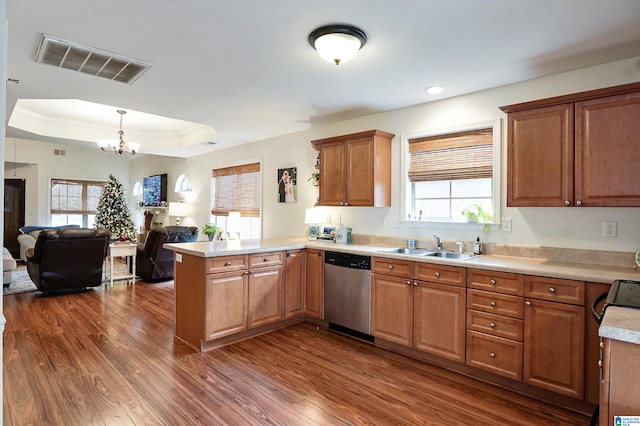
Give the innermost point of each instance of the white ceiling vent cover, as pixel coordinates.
(88, 60)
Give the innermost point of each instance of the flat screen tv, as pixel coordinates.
(154, 190)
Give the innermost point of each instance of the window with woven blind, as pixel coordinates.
(237, 189)
(450, 173)
(74, 202)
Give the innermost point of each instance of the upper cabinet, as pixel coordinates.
(355, 169)
(575, 150)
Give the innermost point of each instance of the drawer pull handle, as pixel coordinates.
(228, 264)
(492, 355)
(265, 260)
(437, 274)
(390, 266)
(408, 282)
(492, 325)
(552, 290)
(492, 303)
(527, 303)
(493, 282)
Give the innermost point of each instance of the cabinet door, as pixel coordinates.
(607, 154)
(554, 347)
(332, 174)
(265, 296)
(540, 157)
(314, 284)
(294, 284)
(392, 309)
(359, 172)
(225, 304)
(439, 320)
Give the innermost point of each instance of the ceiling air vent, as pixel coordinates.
(88, 60)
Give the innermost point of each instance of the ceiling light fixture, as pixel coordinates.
(119, 146)
(434, 90)
(337, 43)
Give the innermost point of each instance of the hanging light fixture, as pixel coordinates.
(119, 146)
(337, 43)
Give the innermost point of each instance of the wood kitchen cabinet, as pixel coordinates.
(314, 284)
(392, 301)
(225, 304)
(575, 150)
(355, 169)
(266, 289)
(294, 283)
(554, 335)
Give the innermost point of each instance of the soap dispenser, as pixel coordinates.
(477, 246)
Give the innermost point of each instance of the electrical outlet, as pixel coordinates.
(506, 224)
(610, 229)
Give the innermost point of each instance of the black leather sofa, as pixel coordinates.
(154, 263)
(68, 258)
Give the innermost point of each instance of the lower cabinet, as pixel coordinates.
(314, 284)
(619, 395)
(294, 283)
(225, 304)
(423, 315)
(265, 304)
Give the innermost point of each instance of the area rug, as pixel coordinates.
(21, 283)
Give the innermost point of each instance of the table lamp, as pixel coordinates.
(178, 209)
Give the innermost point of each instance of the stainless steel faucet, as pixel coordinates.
(438, 243)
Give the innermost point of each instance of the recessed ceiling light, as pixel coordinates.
(434, 90)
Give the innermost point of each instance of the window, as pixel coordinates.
(74, 202)
(451, 172)
(237, 189)
(182, 184)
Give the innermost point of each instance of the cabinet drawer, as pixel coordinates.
(495, 354)
(495, 303)
(555, 290)
(259, 260)
(500, 282)
(395, 267)
(216, 265)
(442, 274)
(496, 325)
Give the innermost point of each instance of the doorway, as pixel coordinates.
(14, 214)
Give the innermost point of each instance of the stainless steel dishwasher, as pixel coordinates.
(347, 293)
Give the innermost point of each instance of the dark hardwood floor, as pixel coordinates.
(107, 357)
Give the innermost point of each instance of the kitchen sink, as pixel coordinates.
(421, 252)
(451, 255)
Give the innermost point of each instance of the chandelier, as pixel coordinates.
(119, 146)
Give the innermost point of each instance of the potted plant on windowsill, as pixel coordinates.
(475, 213)
(210, 230)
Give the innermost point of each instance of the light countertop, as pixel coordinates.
(621, 324)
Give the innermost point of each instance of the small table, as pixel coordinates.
(118, 250)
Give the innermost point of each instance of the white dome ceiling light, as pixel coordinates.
(337, 43)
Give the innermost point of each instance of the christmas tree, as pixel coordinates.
(113, 212)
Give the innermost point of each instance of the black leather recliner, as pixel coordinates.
(68, 258)
(154, 263)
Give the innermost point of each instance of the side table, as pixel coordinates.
(118, 250)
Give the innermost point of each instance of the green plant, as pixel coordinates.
(476, 213)
(315, 177)
(210, 229)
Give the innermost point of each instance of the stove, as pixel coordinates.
(623, 293)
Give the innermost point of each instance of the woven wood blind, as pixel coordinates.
(236, 189)
(75, 196)
(464, 155)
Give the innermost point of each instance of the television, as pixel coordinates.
(154, 190)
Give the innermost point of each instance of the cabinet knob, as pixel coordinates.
(527, 303)
(567, 203)
(265, 260)
(600, 363)
(415, 283)
(228, 264)
(492, 355)
(346, 204)
(552, 290)
(437, 274)
(492, 303)
(492, 282)
(578, 203)
(390, 266)
(246, 273)
(408, 282)
(492, 325)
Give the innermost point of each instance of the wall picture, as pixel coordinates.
(287, 188)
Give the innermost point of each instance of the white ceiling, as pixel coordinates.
(245, 68)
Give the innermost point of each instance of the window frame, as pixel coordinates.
(84, 213)
(406, 186)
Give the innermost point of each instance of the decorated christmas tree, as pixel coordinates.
(113, 213)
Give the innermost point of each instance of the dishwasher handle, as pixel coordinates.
(594, 303)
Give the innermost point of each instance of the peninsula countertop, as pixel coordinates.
(520, 265)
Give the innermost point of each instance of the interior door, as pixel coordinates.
(14, 213)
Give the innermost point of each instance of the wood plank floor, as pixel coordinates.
(107, 357)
